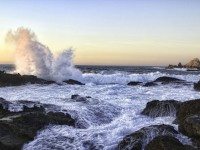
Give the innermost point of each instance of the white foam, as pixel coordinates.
(34, 58)
(112, 113)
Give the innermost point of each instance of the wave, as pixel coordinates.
(123, 78)
(34, 58)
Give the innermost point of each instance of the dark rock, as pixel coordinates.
(166, 79)
(73, 82)
(17, 128)
(17, 80)
(161, 108)
(191, 127)
(134, 83)
(197, 86)
(188, 118)
(78, 98)
(180, 65)
(148, 84)
(166, 143)
(187, 109)
(140, 138)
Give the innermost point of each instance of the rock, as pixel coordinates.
(161, 108)
(73, 82)
(188, 118)
(197, 86)
(17, 128)
(191, 126)
(17, 80)
(79, 98)
(166, 79)
(180, 65)
(187, 109)
(148, 84)
(195, 63)
(134, 83)
(140, 138)
(166, 143)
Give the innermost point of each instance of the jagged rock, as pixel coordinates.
(148, 84)
(195, 63)
(161, 108)
(167, 143)
(73, 82)
(17, 80)
(166, 79)
(197, 86)
(134, 83)
(17, 128)
(139, 139)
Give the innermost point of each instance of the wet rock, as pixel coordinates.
(188, 118)
(166, 79)
(166, 143)
(78, 98)
(191, 126)
(197, 86)
(158, 108)
(187, 109)
(134, 83)
(73, 82)
(148, 84)
(139, 139)
(17, 80)
(17, 128)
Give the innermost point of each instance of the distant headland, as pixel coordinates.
(192, 65)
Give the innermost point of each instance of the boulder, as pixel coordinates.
(188, 118)
(191, 126)
(158, 108)
(73, 82)
(17, 128)
(134, 83)
(166, 143)
(166, 79)
(197, 86)
(17, 80)
(148, 84)
(79, 98)
(139, 139)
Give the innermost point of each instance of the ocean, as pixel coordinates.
(112, 112)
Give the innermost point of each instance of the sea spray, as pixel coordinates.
(34, 58)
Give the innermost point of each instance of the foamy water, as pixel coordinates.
(103, 120)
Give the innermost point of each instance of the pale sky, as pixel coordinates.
(108, 32)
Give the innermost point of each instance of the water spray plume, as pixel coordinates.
(34, 58)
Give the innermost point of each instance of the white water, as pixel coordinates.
(34, 58)
(103, 120)
(111, 113)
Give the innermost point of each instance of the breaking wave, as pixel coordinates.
(34, 58)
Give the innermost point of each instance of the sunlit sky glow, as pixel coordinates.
(108, 32)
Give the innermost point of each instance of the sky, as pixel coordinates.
(108, 32)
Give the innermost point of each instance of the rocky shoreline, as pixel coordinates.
(162, 137)
(7, 79)
(190, 66)
(20, 127)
